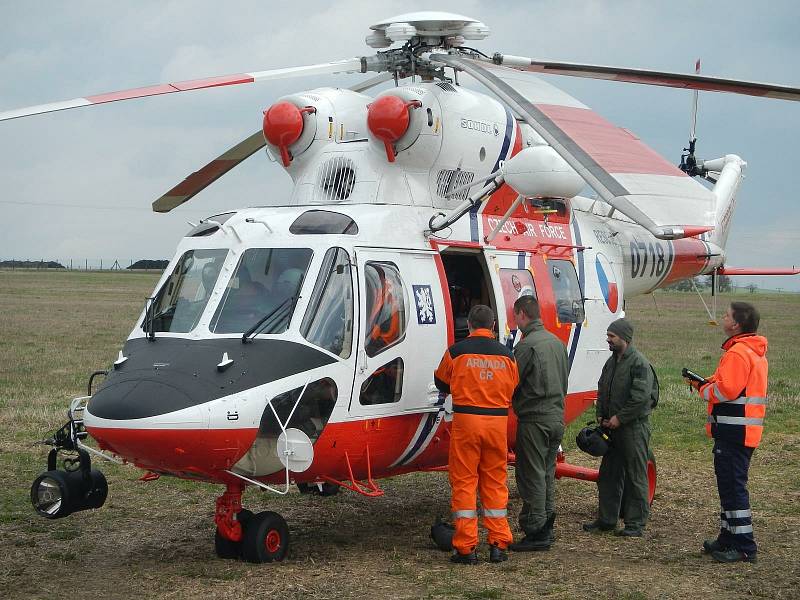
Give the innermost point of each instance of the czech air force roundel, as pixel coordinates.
(608, 282)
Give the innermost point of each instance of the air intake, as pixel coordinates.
(336, 180)
(447, 87)
(449, 179)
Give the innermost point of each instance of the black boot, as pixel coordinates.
(598, 526)
(497, 554)
(710, 546)
(550, 526)
(534, 542)
(464, 559)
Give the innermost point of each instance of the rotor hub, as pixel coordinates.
(430, 28)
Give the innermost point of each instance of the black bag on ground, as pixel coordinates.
(442, 535)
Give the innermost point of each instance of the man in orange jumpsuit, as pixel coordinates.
(737, 403)
(481, 374)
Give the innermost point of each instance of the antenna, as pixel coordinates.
(695, 97)
(689, 161)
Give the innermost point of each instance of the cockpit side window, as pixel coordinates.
(328, 322)
(263, 291)
(386, 307)
(515, 284)
(567, 291)
(183, 297)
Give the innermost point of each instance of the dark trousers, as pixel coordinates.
(622, 484)
(731, 464)
(536, 450)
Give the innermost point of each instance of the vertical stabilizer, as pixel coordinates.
(731, 172)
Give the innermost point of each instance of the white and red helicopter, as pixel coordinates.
(296, 344)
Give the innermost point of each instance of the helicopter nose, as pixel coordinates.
(141, 398)
(134, 421)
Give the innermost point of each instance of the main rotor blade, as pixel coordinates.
(646, 77)
(584, 162)
(350, 65)
(201, 179)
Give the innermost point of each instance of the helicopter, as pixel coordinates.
(296, 344)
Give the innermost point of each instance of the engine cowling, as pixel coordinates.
(283, 127)
(388, 120)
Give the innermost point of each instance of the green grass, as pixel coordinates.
(155, 539)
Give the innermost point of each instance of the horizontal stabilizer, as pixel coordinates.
(756, 271)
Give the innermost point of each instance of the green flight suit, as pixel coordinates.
(626, 389)
(538, 403)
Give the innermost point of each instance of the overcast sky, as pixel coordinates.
(78, 184)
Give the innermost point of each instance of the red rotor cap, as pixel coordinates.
(283, 126)
(388, 118)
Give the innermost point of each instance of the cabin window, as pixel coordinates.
(263, 291)
(323, 221)
(312, 412)
(385, 307)
(328, 322)
(183, 297)
(515, 284)
(566, 290)
(385, 385)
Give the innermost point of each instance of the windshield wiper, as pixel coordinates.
(261, 323)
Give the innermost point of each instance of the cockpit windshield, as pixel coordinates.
(265, 287)
(183, 297)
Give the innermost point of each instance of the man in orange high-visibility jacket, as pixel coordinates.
(737, 403)
(481, 374)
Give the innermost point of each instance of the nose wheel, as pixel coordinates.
(266, 538)
(230, 549)
(259, 538)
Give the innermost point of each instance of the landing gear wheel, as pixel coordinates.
(329, 489)
(266, 538)
(226, 548)
(320, 489)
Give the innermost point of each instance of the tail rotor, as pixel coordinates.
(689, 163)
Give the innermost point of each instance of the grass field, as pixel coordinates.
(155, 540)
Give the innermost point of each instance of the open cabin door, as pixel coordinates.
(552, 279)
(402, 332)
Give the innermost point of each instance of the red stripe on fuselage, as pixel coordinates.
(208, 452)
(177, 450)
(448, 303)
(690, 259)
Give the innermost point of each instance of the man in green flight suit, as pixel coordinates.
(625, 395)
(539, 405)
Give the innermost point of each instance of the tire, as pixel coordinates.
(319, 489)
(266, 538)
(243, 516)
(226, 548)
(329, 489)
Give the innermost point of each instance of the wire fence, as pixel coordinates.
(83, 264)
